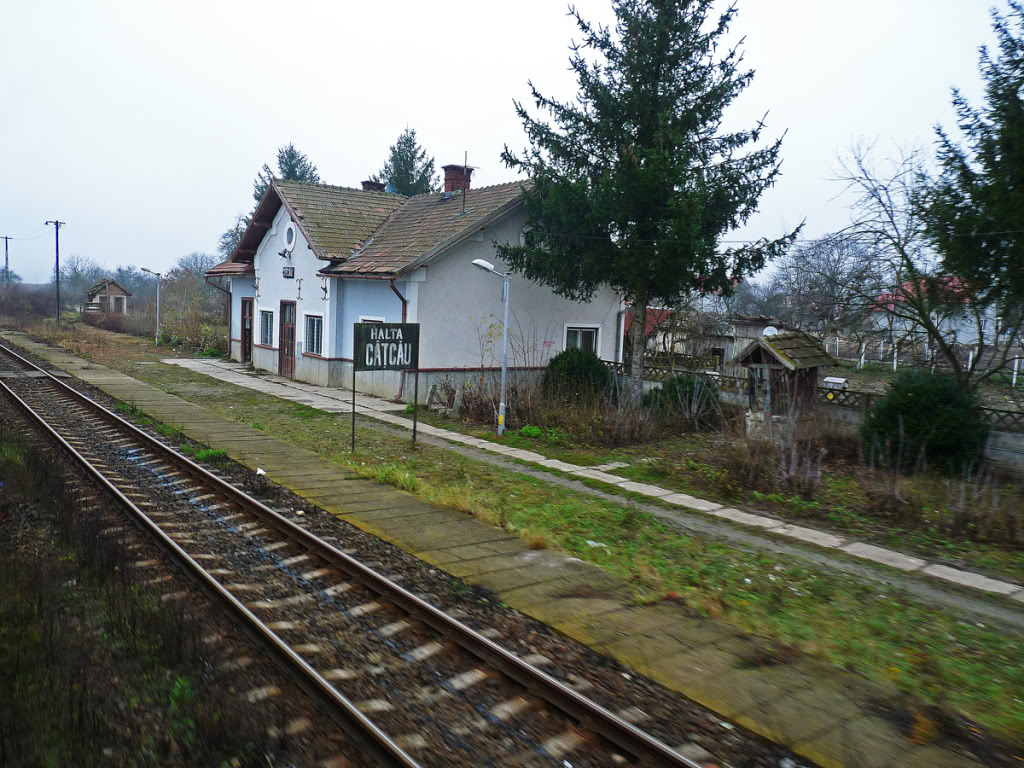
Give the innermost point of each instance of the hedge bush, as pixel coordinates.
(576, 373)
(924, 420)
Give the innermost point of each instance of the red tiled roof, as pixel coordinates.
(230, 269)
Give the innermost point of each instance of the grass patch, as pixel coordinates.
(211, 454)
(166, 430)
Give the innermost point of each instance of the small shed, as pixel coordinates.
(107, 296)
(784, 370)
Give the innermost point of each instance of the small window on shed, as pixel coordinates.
(266, 328)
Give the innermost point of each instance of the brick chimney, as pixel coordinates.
(456, 177)
(373, 186)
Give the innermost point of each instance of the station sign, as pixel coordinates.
(386, 346)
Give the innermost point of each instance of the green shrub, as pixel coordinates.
(576, 373)
(531, 431)
(693, 397)
(924, 419)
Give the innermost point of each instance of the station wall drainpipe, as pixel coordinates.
(405, 307)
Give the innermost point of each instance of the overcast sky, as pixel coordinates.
(142, 124)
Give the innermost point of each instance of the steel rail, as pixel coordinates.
(382, 746)
(588, 713)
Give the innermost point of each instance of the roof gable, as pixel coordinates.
(334, 220)
(103, 284)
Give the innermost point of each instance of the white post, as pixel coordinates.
(504, 362)
(970, 358)
(895, 353)
(157, 340)
(837, 346)
(863, 351)
(1016, 367)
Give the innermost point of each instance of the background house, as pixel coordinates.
(107, 296)
(316, 259)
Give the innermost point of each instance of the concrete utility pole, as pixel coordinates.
(56, 263)
(7, 266)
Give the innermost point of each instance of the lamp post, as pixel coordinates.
(156, 338)
(486, 266)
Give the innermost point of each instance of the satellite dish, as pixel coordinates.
(771, 330)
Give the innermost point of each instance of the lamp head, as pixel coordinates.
(484, 265)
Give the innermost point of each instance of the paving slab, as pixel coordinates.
(735, 516)
(968, 579)
(595, 474)
(685, 500)
(559, 465)
(885, 556)
(618, 624)
(811, 536)
(644, 488)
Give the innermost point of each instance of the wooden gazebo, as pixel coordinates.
(783, 372)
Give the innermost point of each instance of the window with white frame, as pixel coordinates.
(314, 334)
(581, 337)
(370, 319)
(266, 328)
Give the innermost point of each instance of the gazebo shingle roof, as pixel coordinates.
(796, 351)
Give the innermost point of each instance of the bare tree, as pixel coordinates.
(78, 274)
(905, 282)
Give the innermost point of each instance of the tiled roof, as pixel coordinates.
(425, 226)
(337, 220)
(796, 351)
(230, 268)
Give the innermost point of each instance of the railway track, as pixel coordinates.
(414, 684)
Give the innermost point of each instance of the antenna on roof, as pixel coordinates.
(465, 170)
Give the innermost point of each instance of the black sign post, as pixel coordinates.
(385, 347)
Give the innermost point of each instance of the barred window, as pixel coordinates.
(314, 334)
(266, 328)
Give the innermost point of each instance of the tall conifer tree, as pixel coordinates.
(292, 165)
(634, 182)
(408, 169)
(975, 209)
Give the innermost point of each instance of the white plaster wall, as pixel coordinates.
(305, 289)
(457, 304)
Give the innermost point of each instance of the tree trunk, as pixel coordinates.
(638, 342)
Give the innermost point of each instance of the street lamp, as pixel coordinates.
(486, 266)
(156, 339)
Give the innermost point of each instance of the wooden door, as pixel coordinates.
(247, 330)
(286, 352)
